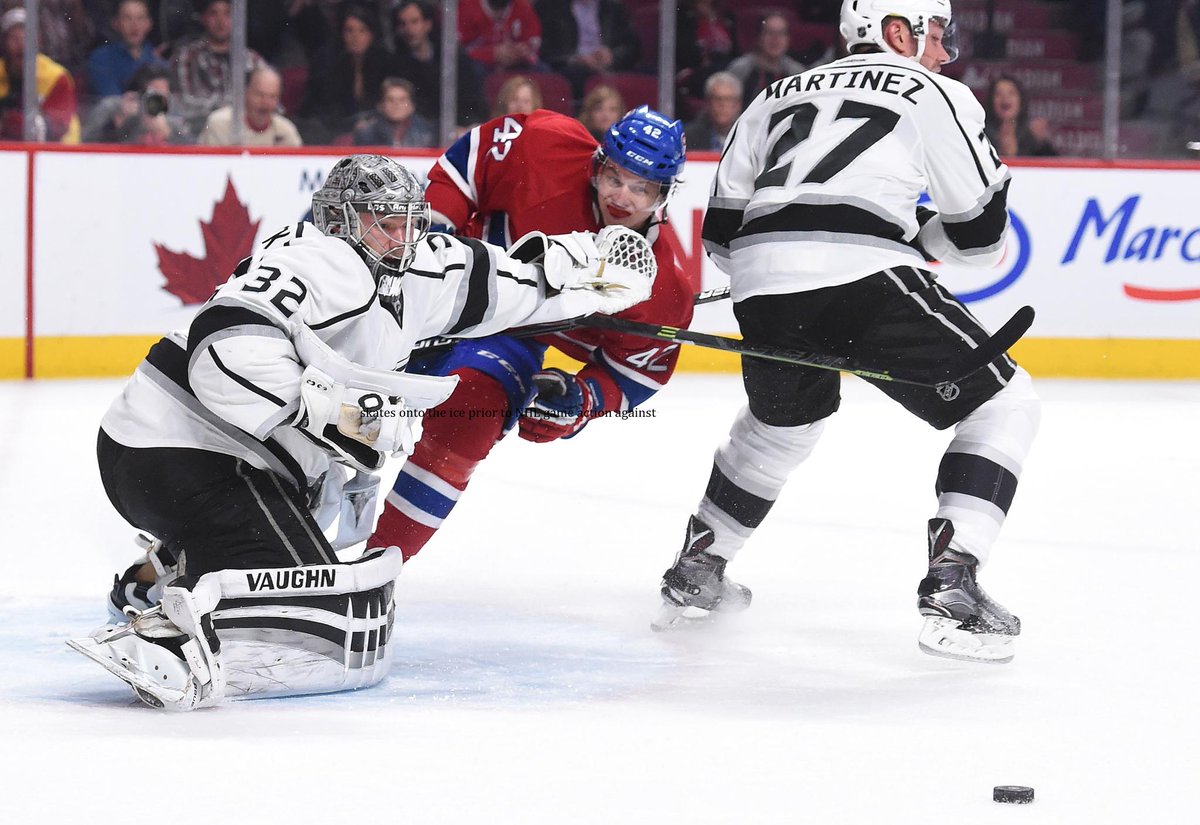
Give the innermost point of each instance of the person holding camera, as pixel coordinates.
(140, 115)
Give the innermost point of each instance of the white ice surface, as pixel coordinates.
(529, 689)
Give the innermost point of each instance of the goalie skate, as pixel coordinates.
(695, 589)
(167, 666)
(158, 676)
(961, 620)
(128, 593)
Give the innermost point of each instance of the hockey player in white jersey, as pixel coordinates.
(227, 433)
(814, 216)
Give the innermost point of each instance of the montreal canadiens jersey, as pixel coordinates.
(520, 173)
(820, 179)
(231, 383)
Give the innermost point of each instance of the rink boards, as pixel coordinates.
(101, 252)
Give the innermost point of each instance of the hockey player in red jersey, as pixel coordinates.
(510, 176)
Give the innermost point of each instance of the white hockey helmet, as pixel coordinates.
(862, 22)
(378, 187)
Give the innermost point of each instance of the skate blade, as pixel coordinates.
(674, 617)
(669, 617)
(145, 689)
(942, 637)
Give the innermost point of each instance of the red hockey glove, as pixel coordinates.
(561, 406)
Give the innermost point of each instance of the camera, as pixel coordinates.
(154, 103)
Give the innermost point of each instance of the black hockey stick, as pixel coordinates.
(708, 296)
(427, 344)
(969, 364)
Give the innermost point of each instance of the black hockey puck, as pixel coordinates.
(1013, 794)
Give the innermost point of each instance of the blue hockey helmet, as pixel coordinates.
(647, 144)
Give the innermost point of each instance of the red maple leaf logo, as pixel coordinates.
(228, 238)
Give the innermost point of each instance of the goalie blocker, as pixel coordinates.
(243, 634)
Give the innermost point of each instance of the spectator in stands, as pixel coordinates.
(501, 35)
(601, 108)
(581, 38)
(110, 66)
(264, 125)
(519, 95)
(419, 60)
(346, 79)
(706, 42)
(140, 114)
(395, 122)
(722, 105)
(55, 88)
(202, 67)
(65, 31)
(1008, 124)
(769, 61)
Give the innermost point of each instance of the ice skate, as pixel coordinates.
(128, 593)
(961, 620)
(167, 666)
(695, 587)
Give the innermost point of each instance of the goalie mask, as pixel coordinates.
(377, 206)
(863, 21)
(646, 144)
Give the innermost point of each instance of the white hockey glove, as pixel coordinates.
(361, 414)
(362, 426)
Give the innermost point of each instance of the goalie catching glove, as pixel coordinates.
(561, 406)
(617, 265)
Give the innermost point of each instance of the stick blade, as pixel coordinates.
(995, 346)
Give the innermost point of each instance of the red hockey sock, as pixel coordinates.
(452, 444)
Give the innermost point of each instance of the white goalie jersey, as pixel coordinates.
(232, 382)
(819, 181)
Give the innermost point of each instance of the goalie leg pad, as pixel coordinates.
(256, 633)
(306, 630)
